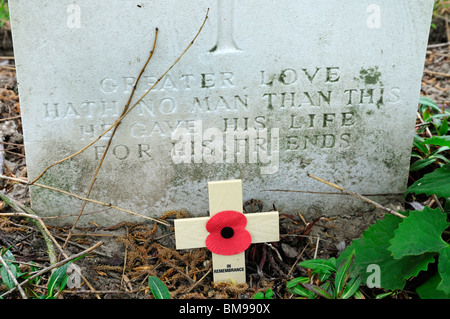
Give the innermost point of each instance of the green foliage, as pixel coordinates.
(4, 12)
(56, 282)
(404, 248)
(431, 150)
(10, 262)
(420, 233)
(440, 6)
(267, 295)
(159, 290)
(345, 284)
(437, 182)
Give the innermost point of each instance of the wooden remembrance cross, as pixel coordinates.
(228, 232)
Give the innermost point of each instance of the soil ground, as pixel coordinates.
(132, 252)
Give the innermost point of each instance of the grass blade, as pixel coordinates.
(159, 290)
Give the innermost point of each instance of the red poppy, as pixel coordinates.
(227, 233)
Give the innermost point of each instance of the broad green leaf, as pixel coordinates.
(269, 294)
(300, 290)
(429, 289)
(6, 278)
(8, 255)
(420, 145)
(258, 295)
(444, 270)
(443, 129)
(321, 265)
(159, 290)
(418, 165)
(419, 233)
(437, 182)
(57, 279)
(294, 282)
(438, 140)
(318, 290)
(351, 288)
(428, 102)
(372, 248)
(343, 273)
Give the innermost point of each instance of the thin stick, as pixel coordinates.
(432, 46)
(94, 178)
(28, 213)
(129, 110)
(197, 282)
(437, 73)
(2, 261)
(10, 118)
(296, 261)
(8, 67)
(58, 264)
(317, 247)
(86, 199)
(315, 256)
(326, 193)
(347, 192)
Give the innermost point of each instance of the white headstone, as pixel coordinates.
(269, 92)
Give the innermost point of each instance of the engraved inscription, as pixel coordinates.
(212, 117)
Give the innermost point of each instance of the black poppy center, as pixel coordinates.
(227, 232)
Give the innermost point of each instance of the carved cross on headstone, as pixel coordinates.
(227, 232)
(225, 27)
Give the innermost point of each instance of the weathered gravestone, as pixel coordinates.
(268, 92)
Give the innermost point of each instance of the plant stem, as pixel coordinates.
(94, 178)
(85, 199)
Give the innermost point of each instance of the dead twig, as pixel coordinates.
(26, 212)
(94, 178)
(437, 73)
(129, 110)
(86, 199)
(13, 278)
(347, 192)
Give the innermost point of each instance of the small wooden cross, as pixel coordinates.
(225, 200)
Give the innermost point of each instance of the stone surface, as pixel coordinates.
(268, 93)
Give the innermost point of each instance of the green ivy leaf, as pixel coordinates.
(419, 233)
(372, 248)
(437, 182)
(444, 270)
(429, 289)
